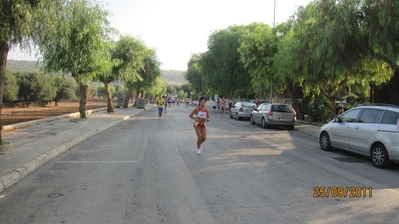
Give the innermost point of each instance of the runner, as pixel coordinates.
(214, 106)
(222, 106)
(160, 103)
(187, 102)
(169, 101)
(200, 115)
(166, 105)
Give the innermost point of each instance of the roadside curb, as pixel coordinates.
(310, 131)
(38, 121)
(23, 170)
(309, 122)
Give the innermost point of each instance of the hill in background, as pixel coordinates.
(171, 77)
(23, 66)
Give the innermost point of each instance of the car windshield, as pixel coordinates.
(282, 108)
(248, 104)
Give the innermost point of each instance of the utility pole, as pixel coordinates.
(274, 27)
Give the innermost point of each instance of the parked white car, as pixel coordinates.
(370, 130)
(242, 110)
(269, 114)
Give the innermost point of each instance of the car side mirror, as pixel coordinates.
(338, 119)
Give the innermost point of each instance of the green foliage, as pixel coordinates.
(181, 94)
(101, 90)
(16, 18)
(35, 87)
(316, 107)
(129, 54)
(66, 87)
(334, 49)
(380, 20)
(11, 88)
(150, 73)
(186, 88)
(74, 42)
(220, 66)
(194, 75)
(257, 50)
(157, 88)
(171, 89)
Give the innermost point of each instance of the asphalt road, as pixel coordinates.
(146, 170)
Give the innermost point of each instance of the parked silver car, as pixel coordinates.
(242, 110)
(274, 114)
(370, 130)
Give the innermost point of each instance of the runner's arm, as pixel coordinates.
(192, 114)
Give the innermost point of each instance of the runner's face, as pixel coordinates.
(202, 103)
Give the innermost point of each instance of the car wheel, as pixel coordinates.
(325, 142)
(237, 117)
(379, 156)
(252, 120)
(264, 123)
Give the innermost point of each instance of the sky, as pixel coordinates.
(176, 29)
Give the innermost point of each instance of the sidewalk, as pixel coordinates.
(309, 128)
(36, 142)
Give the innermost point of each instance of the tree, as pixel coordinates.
(130, 54)
(106, 74)
(157, 88)
(221, 66)
(65, 88)
(149, 74)
(194, 76)
(11, 88)
(334, 49)
(101, 92)
(379, 19)
(35, 87)
(15, 29)
(74, 43)
(257, 49)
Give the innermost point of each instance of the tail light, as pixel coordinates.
(241, 110)
(294, 112)
(271, 111)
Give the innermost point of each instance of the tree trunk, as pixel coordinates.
(333, 107)
(4, 48)
(294, 100)
(109, 100)
(128, 97)
(83, 98)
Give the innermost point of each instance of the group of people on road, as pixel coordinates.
(220, 105)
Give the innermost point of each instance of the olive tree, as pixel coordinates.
(74, 43)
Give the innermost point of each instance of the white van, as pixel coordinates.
(370, 130)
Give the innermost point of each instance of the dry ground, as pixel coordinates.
(17, 115)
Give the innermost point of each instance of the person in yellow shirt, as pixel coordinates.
(160, 103)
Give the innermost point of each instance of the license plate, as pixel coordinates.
(283, 119)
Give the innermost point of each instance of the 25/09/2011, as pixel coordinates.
(339, 192)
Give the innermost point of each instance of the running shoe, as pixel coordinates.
(198, 151)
